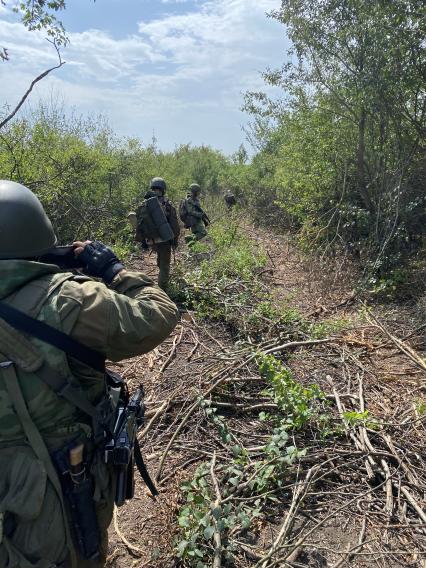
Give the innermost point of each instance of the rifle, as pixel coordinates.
(123, 449)
(205, 217)
(63, 257)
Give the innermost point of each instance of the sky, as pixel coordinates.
(173, 69)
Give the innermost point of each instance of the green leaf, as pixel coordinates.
(208, 532)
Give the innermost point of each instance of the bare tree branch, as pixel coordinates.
(33, 83)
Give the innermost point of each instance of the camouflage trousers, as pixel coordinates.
(164, 259)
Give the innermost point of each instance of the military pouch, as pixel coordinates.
(33, 524)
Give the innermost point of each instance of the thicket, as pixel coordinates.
(88, 178)
(341, 152)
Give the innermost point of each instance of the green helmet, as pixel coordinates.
(194, 188)
(25, 229)
(158, 183)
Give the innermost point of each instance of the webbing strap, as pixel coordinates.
(62, 387)
(19, 320)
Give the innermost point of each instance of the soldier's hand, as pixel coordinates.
(98, 259)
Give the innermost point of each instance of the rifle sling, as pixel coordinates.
(22, 322)
(140, 464)
(59, 384)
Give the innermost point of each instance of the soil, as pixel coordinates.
(356, 511)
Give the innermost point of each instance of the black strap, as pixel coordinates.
(52, 336)
(140, 464)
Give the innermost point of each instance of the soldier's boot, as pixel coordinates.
(190, 239)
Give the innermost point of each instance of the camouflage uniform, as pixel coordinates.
(130, 317)
(196, 218)
(230, 200)
(164, 250)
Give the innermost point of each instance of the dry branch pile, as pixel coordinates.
(355, 495)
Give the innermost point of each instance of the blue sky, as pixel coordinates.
(173, 68)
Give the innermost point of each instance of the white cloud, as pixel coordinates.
(176, 68)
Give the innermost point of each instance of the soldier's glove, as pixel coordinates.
(99, 260)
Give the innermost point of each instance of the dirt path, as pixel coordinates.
(365, 505)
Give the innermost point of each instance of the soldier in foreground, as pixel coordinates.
(193, 216)
(148, 239)
(61, 463)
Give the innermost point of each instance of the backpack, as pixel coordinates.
(183, 213)
(145, 228)
(152, 222)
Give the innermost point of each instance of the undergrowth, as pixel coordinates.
(221, 280)
(228, 500)
(250, 486)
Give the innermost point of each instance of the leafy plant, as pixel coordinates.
(296, 403)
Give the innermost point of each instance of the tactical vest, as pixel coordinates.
(34, 421)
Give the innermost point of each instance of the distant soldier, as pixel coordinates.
(192, 214)
(230, 199)
(148, 238)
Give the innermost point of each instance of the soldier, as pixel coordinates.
(158, 189)
(195, 217)
(230, 199)
(46, 434)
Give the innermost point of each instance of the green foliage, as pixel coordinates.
(389, 285)
(296, 403)
(41, 15)
(88, 179)
(219, 278)
(420, 406)
(325, 328)
(341, 156)
(261, 481)
(354, 418)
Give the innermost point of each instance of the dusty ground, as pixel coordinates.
(366, 503)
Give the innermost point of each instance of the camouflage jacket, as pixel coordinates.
(128, 319)
(195, 211)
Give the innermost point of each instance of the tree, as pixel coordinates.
(363, 64)
(37, 15)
